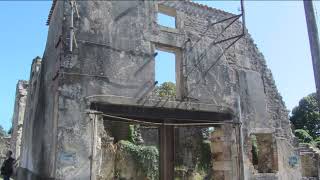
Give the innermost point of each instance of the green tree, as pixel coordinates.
(166, 89)
(303, 136)
(316, 142)
(306, 115)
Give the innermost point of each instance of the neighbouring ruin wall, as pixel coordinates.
(114, 55)
(4, 147)
(18, 117)
(39, 147)
(25, 162)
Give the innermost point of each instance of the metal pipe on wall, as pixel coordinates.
(240, 142)
(71, 27)
(314, 43)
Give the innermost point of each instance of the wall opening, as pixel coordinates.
(263, 153)
(165, 67)
(166, 17)
(168, 69)
(162, 143)
(129, 151)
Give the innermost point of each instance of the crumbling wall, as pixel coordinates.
(26, 166)
(310, 162)
(39, 148)
(18, 117)
(113, 56)
(4, 147)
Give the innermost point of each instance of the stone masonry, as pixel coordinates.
(4, 147)
(18, 118)
(310, 162)
(99, 66)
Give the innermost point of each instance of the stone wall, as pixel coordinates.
(4, 147)
(112, 62)
(310, 162)
(18, 117)
(28, 137)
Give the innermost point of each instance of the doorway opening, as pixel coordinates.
(161, 143)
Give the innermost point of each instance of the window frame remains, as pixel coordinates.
(162, 9)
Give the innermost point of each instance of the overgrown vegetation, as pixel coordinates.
(303, 136)
(205, 156)
(254, 150)
(166, 89)
(146, 158)
(132, 133)
(306, 115)
(306, 120)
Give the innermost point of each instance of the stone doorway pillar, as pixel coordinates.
(224, 152)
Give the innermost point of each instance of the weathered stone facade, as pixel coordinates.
(18, 117)
(109, 74)
(310, 162)
(4, 147)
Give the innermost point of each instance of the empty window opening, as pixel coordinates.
(165, 67)
(166, 20)
(262, 153)
(166, 17)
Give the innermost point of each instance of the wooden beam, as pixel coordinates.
(166, 152)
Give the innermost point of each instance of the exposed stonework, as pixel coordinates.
(4, 147)
(18, 117)
(110, 72)
(310, 162)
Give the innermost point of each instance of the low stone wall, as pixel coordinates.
(310, 162)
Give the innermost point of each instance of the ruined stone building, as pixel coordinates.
(19, 110)
(18, 117)
(310, 162)
(93, 112)
(4, 147)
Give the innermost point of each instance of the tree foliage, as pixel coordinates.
(316, 142)
(166, 89)
(306, 115)
(303, 135)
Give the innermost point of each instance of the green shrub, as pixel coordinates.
(205, 156)
(254, 150)
(303, 136)
(145, 157)
(316, 142)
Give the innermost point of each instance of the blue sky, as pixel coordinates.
(278, 28)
